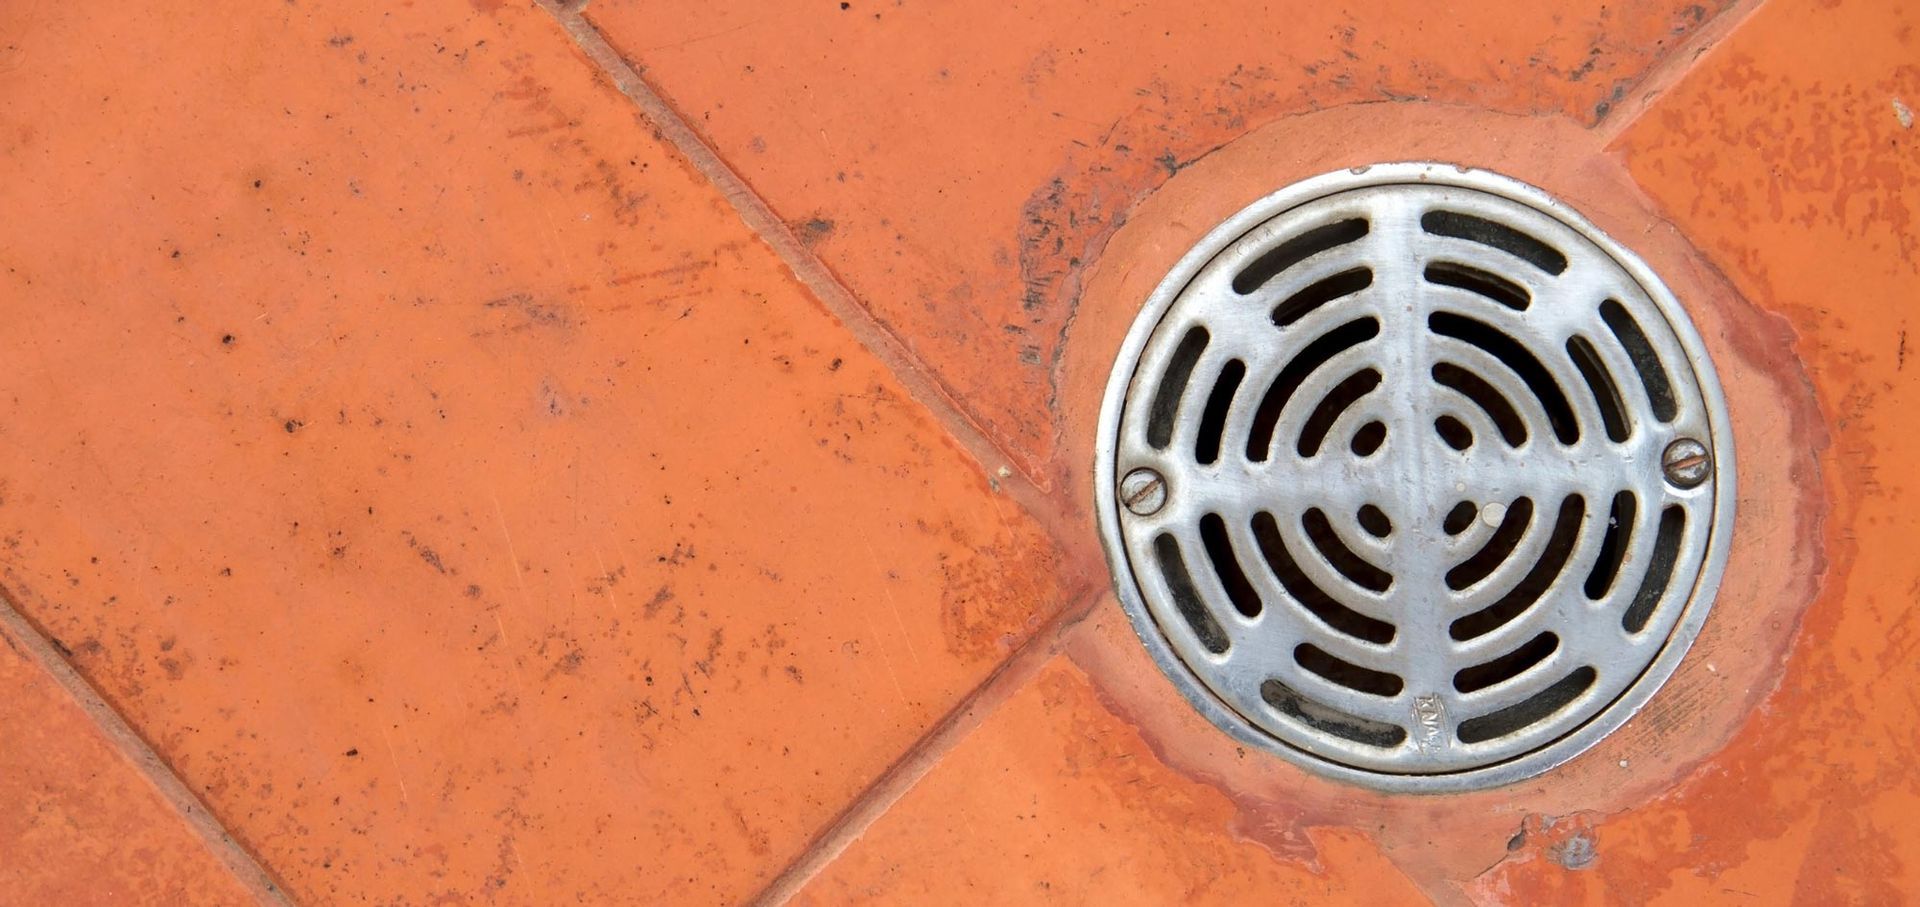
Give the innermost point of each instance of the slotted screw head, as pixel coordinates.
(1686, 463)
(1144, 492)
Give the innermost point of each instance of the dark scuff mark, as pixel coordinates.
(535, 313)
(660, 597)
(1581, 71)
(813, 230)
(427, 554)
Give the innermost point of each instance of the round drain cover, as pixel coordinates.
(1412, 475)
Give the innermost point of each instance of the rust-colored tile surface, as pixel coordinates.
(432, 465)
(959, 164)
(79, 824)
(1057, 800)
(1788, 155)
(439, 473)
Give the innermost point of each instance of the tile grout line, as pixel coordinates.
(1025, 661)
(1008, 678)
(1671, 70)
(927, 389)
(250, 873)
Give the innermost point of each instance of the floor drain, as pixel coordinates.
(1414, 476)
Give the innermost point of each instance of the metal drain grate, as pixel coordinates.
(1414, 476)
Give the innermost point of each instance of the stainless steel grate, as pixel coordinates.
(1416, 477)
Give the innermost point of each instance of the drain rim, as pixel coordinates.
(1576, 739)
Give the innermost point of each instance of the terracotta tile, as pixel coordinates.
(1785, 155)
(79, 823)
(471, 508)
(440, 474)
(1054, 799)
(957, 164)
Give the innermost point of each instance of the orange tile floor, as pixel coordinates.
(470, 451)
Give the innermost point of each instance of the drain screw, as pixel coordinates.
(1686, 463)
(1144, 492)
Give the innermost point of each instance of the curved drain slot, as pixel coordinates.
(1524, 364)
(1460, 517)
(1508, 666)
(1352, 566)
(1345, 283)
(1497, 235)
(1666, 551)
(1374, 521)
(1213, 534)
(1345, 673)
(1317, 354)
(1566, 529)
(1454, 432)
(1512, 428)
(1344, 395)
(1653, 375)
(1173, 385)
(1606, 394)
(1329, 720)
(1368, 439)
(1296, 250)
(1213, 420)
(1339, 617)
(1613, 546)
(1490, 555)
(1173, 568)
(1480, 283)
(1529, 711)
